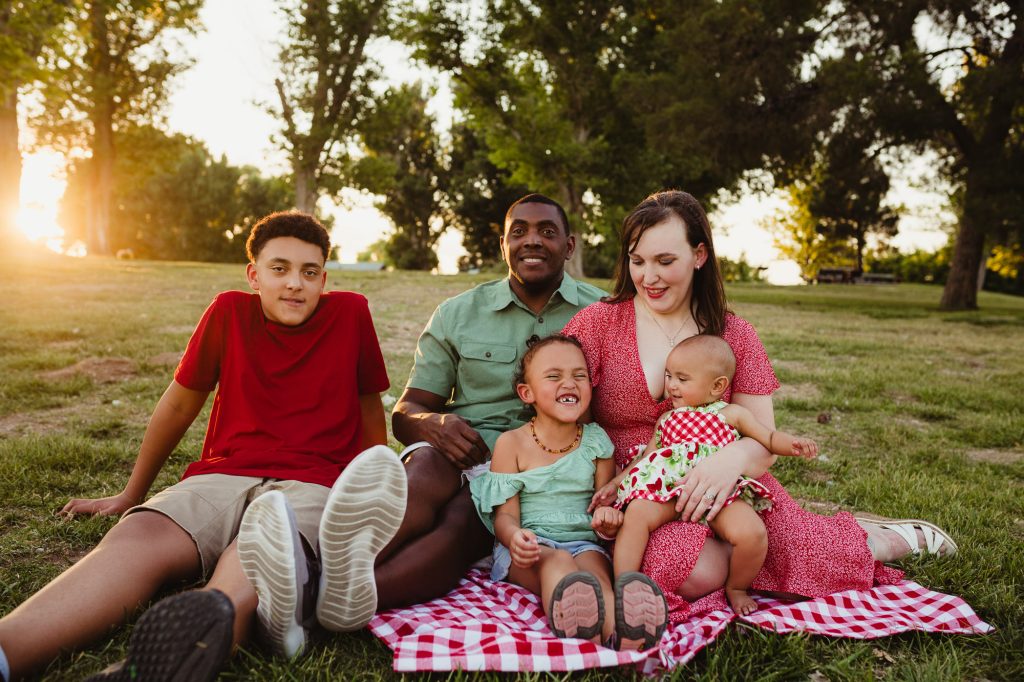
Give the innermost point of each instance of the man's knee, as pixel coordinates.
(432, 478)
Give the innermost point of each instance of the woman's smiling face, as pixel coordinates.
(661, 266)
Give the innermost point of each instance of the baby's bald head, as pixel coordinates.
(715, 353)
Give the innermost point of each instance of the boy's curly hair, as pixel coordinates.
(287, 224)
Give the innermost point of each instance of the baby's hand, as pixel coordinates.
(605, 495)
(805, 447)
(606, 522)
(524, 548)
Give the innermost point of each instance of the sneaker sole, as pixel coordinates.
(577, 607)
(363, 512)
(183, 638)
(641, 612)
(270, 551)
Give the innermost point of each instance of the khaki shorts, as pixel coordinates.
(209, 507)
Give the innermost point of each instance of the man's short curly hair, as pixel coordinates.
(287, 224)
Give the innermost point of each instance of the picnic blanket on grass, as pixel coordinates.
(498, 626)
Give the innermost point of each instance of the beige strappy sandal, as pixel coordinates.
(936, 540)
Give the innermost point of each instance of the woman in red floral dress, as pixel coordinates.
(668, 287)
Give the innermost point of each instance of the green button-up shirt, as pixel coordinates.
(469, 350)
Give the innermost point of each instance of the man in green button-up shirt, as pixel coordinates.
(460, 398)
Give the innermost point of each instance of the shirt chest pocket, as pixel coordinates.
(485, 371)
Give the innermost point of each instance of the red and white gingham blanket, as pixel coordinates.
(486, 625)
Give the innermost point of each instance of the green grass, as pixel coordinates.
(925, 418)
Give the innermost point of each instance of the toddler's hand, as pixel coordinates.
(524, 548)
(606, 522)
(805, 447)
(605, 495)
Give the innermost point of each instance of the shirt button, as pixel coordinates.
(487, 354)
(540, 320)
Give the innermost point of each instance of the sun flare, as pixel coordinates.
(42, 186)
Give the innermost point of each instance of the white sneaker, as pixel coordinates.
(270, 550)
(362, 514)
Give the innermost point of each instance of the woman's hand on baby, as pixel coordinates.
(104, 506)
(605, 496)
(706, 487)
(524, 548)
(805, 447)
(606, 522)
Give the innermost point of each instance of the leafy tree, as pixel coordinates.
(174, 200)
(721, 87)
(25, 29)
(533, 81)
(798, 237)
(478, 194)
(947, 75)
(404, 165)
(600, 103)
(324, 87)
(846, 192)
(111, 69)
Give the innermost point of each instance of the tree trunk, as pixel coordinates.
(10, 164)
(573, 203)
(101, 182)
(101, 169)
(961, 290)
(305, 189)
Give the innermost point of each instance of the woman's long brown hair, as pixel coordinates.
(707, 301)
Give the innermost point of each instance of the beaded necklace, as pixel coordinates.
(545, 448)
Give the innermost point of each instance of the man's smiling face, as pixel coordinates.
(536, 245)
(289, 276)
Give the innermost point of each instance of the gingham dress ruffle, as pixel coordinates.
(685, 437)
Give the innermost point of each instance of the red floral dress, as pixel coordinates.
(808, 554)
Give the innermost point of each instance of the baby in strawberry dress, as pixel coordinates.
(697, 373)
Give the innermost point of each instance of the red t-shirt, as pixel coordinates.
(287, 403)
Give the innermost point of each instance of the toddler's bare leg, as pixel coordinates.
(598, 564)
(641, 519)
(138, 555)
(739, 525)
(541, 578)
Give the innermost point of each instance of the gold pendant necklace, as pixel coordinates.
(671, 339)
(545, 448)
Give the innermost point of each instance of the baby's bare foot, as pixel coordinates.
(740, 602)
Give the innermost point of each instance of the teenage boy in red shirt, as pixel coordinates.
(298, 374)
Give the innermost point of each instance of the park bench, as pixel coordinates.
(877, 278)
(835, 276)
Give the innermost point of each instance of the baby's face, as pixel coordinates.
(689, 380)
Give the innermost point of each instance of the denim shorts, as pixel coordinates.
(503, 559)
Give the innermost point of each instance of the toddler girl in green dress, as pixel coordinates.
(535, 498)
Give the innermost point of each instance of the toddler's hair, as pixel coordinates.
(718, 353)
(287, 224)
(534, 344)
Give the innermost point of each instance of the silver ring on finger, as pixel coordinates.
(710, 495)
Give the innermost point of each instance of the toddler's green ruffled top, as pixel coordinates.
(553, 499)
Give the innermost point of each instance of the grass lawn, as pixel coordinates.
(919, 413)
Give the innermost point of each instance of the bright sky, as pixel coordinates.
(219, 101)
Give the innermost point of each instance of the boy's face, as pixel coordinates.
(289, 276)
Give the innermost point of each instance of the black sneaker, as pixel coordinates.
(183, 638)
(273, 559)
